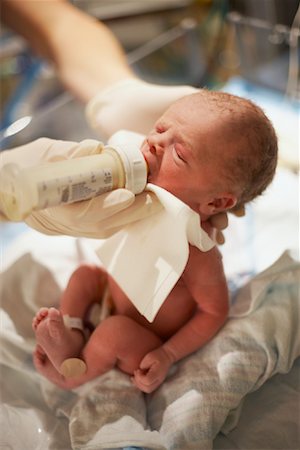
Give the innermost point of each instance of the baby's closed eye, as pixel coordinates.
(178, 154)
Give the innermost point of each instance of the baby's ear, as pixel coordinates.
(222, 203)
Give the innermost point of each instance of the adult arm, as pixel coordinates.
(71, 39)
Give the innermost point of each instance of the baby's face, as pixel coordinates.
(175, 150)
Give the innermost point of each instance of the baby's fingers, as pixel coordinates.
(145, 382)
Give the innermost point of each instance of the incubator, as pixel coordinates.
(23, 190)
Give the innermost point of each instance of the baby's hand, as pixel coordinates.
(218, 223)
(215, 224)
(152, 371)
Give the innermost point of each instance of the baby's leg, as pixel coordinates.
(58, 341)
(118, 341)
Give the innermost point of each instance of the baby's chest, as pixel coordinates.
(178, 302)
(176, 310)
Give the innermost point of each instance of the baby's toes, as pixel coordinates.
(39, 317)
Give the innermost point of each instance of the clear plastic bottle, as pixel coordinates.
(34, 188)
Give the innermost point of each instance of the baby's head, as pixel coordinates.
(214, 151)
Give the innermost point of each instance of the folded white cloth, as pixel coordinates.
(147, 257)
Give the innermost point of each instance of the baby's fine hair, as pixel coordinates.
(250, 150)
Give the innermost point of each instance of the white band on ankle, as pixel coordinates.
(73, 322)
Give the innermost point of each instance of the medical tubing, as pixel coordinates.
(23, 190)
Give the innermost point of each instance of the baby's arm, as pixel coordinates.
(204, 278)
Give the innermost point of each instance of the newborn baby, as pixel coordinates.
(215, 152)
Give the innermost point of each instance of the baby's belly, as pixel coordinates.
(176, 310)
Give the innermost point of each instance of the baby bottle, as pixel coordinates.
(50, 184)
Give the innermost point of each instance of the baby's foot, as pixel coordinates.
(44, 366)
(56, 340)
(40, 315)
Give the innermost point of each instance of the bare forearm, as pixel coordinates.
(86, 54)
(34, 20)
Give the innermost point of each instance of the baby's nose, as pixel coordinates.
(156, 145)
(152, 149)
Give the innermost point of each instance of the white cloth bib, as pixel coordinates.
(147, 257)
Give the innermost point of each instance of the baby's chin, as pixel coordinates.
(154, 178)
(150, 178)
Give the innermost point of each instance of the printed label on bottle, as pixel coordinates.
(73, 188)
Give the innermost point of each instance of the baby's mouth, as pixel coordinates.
(143, 150)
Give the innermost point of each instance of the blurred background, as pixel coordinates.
(243, 46)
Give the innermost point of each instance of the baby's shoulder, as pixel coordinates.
(205, 264)
(211, 255)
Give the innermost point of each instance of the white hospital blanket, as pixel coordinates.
(198, 398)
(202, 396)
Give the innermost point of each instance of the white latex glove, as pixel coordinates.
(44, 149)
(99, 217)
(132, 105)
(91, 218)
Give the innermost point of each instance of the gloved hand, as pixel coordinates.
(44, 150)
(99, 217)
(91, 218)
(131, 104)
